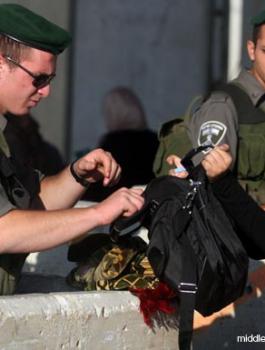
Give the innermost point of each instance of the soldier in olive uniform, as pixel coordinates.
(217, 122)
(35, 211)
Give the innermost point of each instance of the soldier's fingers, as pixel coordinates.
(173, 160)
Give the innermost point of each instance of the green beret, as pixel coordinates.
(28, 28)
(258, 19)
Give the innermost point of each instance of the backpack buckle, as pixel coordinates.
(153, 206)
(185, 287)
(195, 183)
(190, 198)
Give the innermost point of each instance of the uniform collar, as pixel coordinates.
(3, 122)
(251, 85)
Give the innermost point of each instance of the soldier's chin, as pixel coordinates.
(20, 112)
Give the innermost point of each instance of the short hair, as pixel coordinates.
(13, 49)
(256, 33)
(123, 110)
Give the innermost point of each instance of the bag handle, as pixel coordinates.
(187, 162)
(130, 224)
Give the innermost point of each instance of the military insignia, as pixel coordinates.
(211, 133)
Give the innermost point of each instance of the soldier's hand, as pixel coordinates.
(177, 168)
(217, 162)
(123, 202)
(98, 165)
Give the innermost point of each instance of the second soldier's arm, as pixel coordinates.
(215, 122)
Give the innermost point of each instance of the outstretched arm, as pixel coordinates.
(28, 231)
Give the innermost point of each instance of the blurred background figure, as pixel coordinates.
(128, 139)
(28, 146)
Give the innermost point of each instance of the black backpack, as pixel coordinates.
(193, 247)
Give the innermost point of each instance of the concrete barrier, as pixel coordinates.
(98, 321)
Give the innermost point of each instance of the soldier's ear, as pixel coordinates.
(1, 58)
(1, 64)
(251, 50)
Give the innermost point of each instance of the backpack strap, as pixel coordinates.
(6, 168)
(247, 113)
(187, 162)
(188, 285)
(16, 191)
(187, 289)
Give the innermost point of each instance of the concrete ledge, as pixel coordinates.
(94, 320)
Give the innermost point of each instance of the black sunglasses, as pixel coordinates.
(39, 81)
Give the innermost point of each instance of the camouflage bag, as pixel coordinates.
(114, 267)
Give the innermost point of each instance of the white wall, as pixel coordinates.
(156, 47)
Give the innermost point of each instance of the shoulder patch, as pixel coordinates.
(211, 133)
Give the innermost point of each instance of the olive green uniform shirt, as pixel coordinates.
(5, 204)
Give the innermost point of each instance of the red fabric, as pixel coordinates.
(153, 300)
